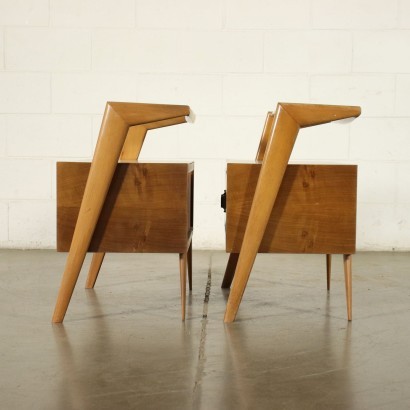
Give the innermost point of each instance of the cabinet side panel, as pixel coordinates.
(145, 210)
(315, 211)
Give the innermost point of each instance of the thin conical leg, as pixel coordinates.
(189, 261)
(328, 269)
(230, 270)
(183, 274)
(94, 270)
(347, 262)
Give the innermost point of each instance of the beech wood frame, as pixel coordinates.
(276, 145)
(122, 134)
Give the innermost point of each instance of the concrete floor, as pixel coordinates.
(123, 345)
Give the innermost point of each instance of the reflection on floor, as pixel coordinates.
(123, 345)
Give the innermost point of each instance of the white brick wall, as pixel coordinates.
(177, 51)
(402, 100)
(404, 14)
(34, 13)
(231, 61)
(4, 223)
(86, 93)
(301, 51)
(354, 14)
(49, 136)
(381, 139)
(374, 93)
(381, 52)
(329, 142)
(24, 92)
(92, 13)
(1, 50)
(403, 193)
(202, 92)
(182, 14)
(48, 49)
(25, 179)
(2, 136)
(29, 224)
(253, 94)
(267, 14)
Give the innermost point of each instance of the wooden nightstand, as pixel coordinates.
(126, 206)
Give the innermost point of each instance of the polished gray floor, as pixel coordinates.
(123, 345)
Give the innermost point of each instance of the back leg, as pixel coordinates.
(328, 269)
(230, 270)
(347, 262)
(95, 267)
(182, 272)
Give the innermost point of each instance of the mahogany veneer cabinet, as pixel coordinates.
(148, 208)
(314, 212)
(116, 204)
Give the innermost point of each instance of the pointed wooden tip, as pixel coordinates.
(140, 113)
(307, 115)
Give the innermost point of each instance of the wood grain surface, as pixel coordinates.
(148, 207)
(314, 212)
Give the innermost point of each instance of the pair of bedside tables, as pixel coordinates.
(117, 204)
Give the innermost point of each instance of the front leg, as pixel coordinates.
(270, 178)
(109, 146)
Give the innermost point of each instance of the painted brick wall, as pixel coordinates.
(231, 61)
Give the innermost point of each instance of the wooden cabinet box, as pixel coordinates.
(149, 207)
(314, 212)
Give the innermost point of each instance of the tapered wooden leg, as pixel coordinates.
(233, 257)
(95, 267)
(182, 272)
(110, 142)
(270, 178)
(328, 269)
(189, 259)
(230, 270)
(130, 151)
(347, 262)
